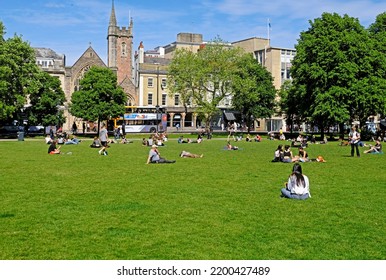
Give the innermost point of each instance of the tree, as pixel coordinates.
(204, 77)
(17, 73)
(180, 76)
(254, 93)
(45, 101)
(377, 32)
(99, 97)
(288, 103)
(333, 70)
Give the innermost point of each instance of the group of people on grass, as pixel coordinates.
(297, 186)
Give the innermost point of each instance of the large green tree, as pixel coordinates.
(45, 101)
(204, 77)
(99, 97)
(17, 73)
(378, 34)
(180, 76)
(334, 72)
(254, 93)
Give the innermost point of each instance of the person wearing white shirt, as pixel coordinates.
(298, 185)
(354, 138)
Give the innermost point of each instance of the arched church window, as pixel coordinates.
(80, 77)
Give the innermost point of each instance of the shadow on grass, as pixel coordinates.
(6, 215)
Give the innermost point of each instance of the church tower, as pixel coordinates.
(119, 48)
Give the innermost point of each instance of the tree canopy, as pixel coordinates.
(18, 72)
(45, 101)
(254, 93)
(99, 97)
(336, 72)
(204, 78)
(218, 72)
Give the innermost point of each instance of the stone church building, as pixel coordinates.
(119, 60)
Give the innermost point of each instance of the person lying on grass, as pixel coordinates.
(230, 147)
(185, 154)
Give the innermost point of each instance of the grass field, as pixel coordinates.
(226, 205)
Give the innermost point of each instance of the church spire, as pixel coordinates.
(113, 19)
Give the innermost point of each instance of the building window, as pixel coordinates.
(164, 96)
(150, 82)
(163, 83)
(176, 100)
(149, 99)
(124, 49)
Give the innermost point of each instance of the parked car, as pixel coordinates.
(36, 129)
(10, 131)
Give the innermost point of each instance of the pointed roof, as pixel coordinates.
(86, 56)
(113, 18)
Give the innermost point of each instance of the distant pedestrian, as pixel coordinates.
(123, 129)
(74, 128)
(354, 138)
(103, 136)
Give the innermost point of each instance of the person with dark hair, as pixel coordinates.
(52, 149)
(303, 155)
(376, 149)
(287, 154)
(298, 185)
(278, 157)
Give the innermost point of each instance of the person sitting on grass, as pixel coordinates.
(124, 140)
(155, 157)
(287, 154)
(257, 138)
(376, 149)
(52, 149)
(185, 154)
(278, 156)
(303, 155)
(298, 185)
(96, 143)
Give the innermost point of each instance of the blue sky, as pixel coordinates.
(69, 26)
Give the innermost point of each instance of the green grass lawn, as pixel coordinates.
(225, 205)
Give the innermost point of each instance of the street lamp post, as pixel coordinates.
(157, 106)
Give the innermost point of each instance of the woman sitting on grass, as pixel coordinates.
(52, 149)
(298, 185)
(376, 149)
(278, 157)
(287, 154)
